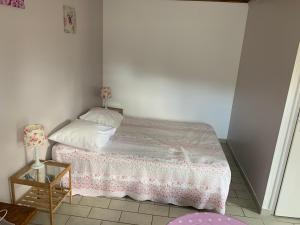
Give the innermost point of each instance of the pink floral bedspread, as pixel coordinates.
(163, 161)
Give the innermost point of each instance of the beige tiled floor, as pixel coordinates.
(125, 211)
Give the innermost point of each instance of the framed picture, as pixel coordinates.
(69, 19)
(13, 3)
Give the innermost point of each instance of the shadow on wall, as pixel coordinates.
(173, 60)
(163, 94)
(48, 154)
(45, 151)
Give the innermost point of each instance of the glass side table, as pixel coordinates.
(46, 191)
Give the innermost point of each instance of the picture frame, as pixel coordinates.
(69, 19)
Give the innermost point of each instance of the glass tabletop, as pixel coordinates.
(47, 174)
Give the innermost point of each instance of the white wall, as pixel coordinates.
(46, 75)
(173, 59)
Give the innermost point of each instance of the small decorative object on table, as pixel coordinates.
(105, 95)
(205, 218)
(34, 137)
(46, 192)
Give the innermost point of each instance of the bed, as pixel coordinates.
(163, 161)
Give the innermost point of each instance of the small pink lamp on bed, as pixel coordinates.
(34, 138)
(105, 95)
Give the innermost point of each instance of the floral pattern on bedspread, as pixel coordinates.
(164, 161)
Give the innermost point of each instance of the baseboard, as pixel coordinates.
(252, 192)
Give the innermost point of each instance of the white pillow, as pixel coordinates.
(84, 135)
(102, 116)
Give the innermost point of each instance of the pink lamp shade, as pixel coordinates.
(105, 93)
(34, 136)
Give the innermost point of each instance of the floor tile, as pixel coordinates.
(238, 187)
(236, 174)
(234, 168)
(113, 223)
(288, 220)
(95, 202)
(75, 199)
(43, 218)
(105, 214)
(243, 195)
(233, 210)
(249, 221)
(180, 211)
(160, 220)
(232, 194)
(136, 218)
(245, 203)
(154, 203)
(124, 205)
(272, 221)
(157, 210)
(237, 180)
(252, 213)
(126, 198)
(82, 221)
(74, 210)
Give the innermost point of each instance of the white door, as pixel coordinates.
(289, 198)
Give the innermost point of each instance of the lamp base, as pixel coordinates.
(37, 165)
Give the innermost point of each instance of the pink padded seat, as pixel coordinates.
(205, 219)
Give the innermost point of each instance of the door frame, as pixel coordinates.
(284, 140)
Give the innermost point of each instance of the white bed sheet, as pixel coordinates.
(163, 161)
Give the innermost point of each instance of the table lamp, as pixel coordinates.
(105, 95)
(34, 138)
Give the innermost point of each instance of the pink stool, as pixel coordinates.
(205, 219)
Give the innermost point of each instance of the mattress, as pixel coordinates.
(163, 161)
